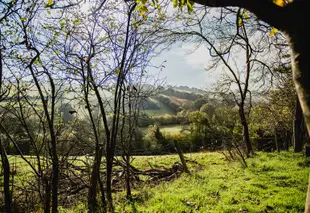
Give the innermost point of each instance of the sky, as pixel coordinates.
(183, 67)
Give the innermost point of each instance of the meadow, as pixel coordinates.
(272, 182)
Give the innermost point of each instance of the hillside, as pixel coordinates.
(171, 100)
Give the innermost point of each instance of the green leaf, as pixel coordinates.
(117, 71)
(77, 21)
(240, 22)
(190, 5)
(142, 9)
(49, 3)
(245, 15)
(175, 3)
(182, 3)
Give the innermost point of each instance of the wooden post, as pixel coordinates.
(177, 146)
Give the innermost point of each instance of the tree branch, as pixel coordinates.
(265, 10)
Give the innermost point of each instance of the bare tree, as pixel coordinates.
(235, 38)
(102, 55)
(287, 18)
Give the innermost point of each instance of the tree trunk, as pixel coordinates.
(245, 131)
(55, 177)
(92, 192)
(296, 32)
(301, 74)
(47, 198)
(109, 165)
(128, 188)
(276, 139)
(297, 132)
(6, 179)
(103, 201)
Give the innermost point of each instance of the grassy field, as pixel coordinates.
(171, 128)
(272, 183)
(167, 129)
(164, 109)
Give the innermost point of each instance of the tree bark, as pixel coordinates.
(297, 132)
(47, 198)
(103, 201)
(276, 139)
(245, 131)
(128, 188)
(92, 193)
(55, 178)
(109, 165)
(6, 179)
(301, 74)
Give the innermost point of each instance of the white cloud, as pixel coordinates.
(197, 58)
(186, 67)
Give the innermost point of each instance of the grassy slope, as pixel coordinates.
(164, 109)
(272, 183)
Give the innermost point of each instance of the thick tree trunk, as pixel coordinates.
(92, 192)
(297, 132)
(301, 73)
(245, 131)
(6, 179)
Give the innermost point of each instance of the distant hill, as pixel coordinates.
(188, 89)
(171, 100)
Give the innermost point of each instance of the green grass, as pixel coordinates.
(171, 128)
(272, 183)
(164, 109)
(167, 129)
